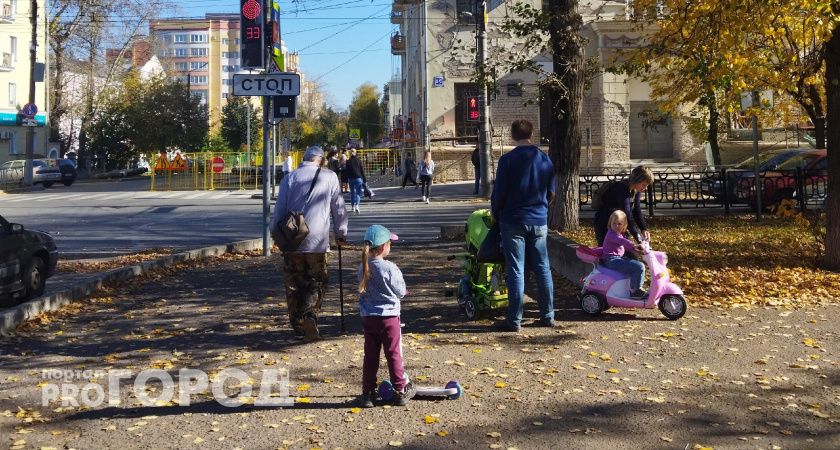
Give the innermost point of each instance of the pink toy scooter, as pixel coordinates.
(604, 288)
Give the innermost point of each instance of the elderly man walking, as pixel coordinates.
(317, 193)
(522, 191)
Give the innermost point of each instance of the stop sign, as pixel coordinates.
(218, 164)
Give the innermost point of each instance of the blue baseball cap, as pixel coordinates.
(377, 235)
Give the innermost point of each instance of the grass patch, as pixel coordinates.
(736, 261)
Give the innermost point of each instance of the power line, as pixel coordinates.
(352, 57)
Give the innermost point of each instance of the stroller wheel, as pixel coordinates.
(471, 309)
(464, 291)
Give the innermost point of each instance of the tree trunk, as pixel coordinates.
(564, 148)
(714, 129)
(819, 116)
(832, 206)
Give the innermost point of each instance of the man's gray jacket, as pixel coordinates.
(324, 202)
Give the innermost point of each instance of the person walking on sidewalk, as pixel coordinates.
(427, 170)
(410, 175)
(342, 167)
(476, 162)
(381, 286)
(317, 194)
(357, 179)
(523, 189)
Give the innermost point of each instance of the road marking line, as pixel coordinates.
(196, 195)
(46, 197)
(18, 199)
(72, 196)
(217, 196)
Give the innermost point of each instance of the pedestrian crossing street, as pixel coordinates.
(105, 197)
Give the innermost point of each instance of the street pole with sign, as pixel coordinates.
(484, 151)
(30, 131)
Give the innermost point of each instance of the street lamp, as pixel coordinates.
(189, 93)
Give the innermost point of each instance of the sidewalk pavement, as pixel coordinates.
(760, 378)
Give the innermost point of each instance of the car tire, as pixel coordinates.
(47, 184)
(34, 279)
(67, 183)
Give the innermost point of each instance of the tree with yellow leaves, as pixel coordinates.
(708, 52)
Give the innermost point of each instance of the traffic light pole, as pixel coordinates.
(483, 102)
(30, 131)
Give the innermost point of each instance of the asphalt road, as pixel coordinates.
(103, 219)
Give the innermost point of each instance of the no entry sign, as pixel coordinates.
(218, 164)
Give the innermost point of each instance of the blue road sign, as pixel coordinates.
(29, 110)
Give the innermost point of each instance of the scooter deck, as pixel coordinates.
(451, 391)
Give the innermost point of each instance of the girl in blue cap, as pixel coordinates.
(381, 286)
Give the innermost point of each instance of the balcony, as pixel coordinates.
(6, 14)
(397, 44)
(633, 12)
(397, 17)
(6, 62)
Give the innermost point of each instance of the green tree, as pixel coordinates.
(366, 113)
(235, 122)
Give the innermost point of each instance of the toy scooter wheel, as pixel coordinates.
(454, 385)
(386, 391)
(471, 309)
(592, 304)
(672, 306)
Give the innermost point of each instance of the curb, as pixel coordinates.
(561, 253)
(11, 318)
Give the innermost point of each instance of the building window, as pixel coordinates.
(181, 66)
(12, 94)
(13, 47)
(181, 52)
(514, 89)
(466, 11)
(162, 54)
(181, 38)
(225, 41)
(13, 145)
(236, 41)
(198, 51)
(198, 38)
(224, 95)
(230, 55)
(464, 129)
(198, 79)
(227, 82)
(197, 65)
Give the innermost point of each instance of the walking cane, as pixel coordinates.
(341, 287)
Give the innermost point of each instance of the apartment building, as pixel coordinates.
(15, 37)
(619, 122)
(204, 53)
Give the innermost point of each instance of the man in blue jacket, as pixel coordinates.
(523, 188)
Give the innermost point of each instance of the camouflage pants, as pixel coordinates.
(306, 283)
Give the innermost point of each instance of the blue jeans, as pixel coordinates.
(631, 267)
(356, 191)
(522, 243)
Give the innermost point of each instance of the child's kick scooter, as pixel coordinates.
(452, 391)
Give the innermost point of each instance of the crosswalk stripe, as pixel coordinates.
(48, 197)
(193, 196)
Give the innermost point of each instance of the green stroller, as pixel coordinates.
(482, 287)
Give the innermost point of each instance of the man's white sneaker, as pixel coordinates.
(427, 200)
(424, 198)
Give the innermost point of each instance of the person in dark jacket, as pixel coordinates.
(357, 179)
(476, 162)
(410, 172)
(626, 196)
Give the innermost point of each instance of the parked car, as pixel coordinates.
(768, 160)
(781, 184)
(27, 259)
(44, 172)
(67, 167)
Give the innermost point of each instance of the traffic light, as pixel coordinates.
(252, 34)
(472, 109)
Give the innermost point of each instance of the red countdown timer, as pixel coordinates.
(472, 109)
(252, 51)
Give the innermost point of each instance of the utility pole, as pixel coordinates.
(266, 104)
(756, 102)
(30, 131)
(484, 153)
(248, 131)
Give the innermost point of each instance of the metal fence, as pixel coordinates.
(724, 189)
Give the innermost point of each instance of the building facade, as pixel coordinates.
(15, 38)
(619, 123)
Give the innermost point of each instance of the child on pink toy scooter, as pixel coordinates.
(616, 281)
